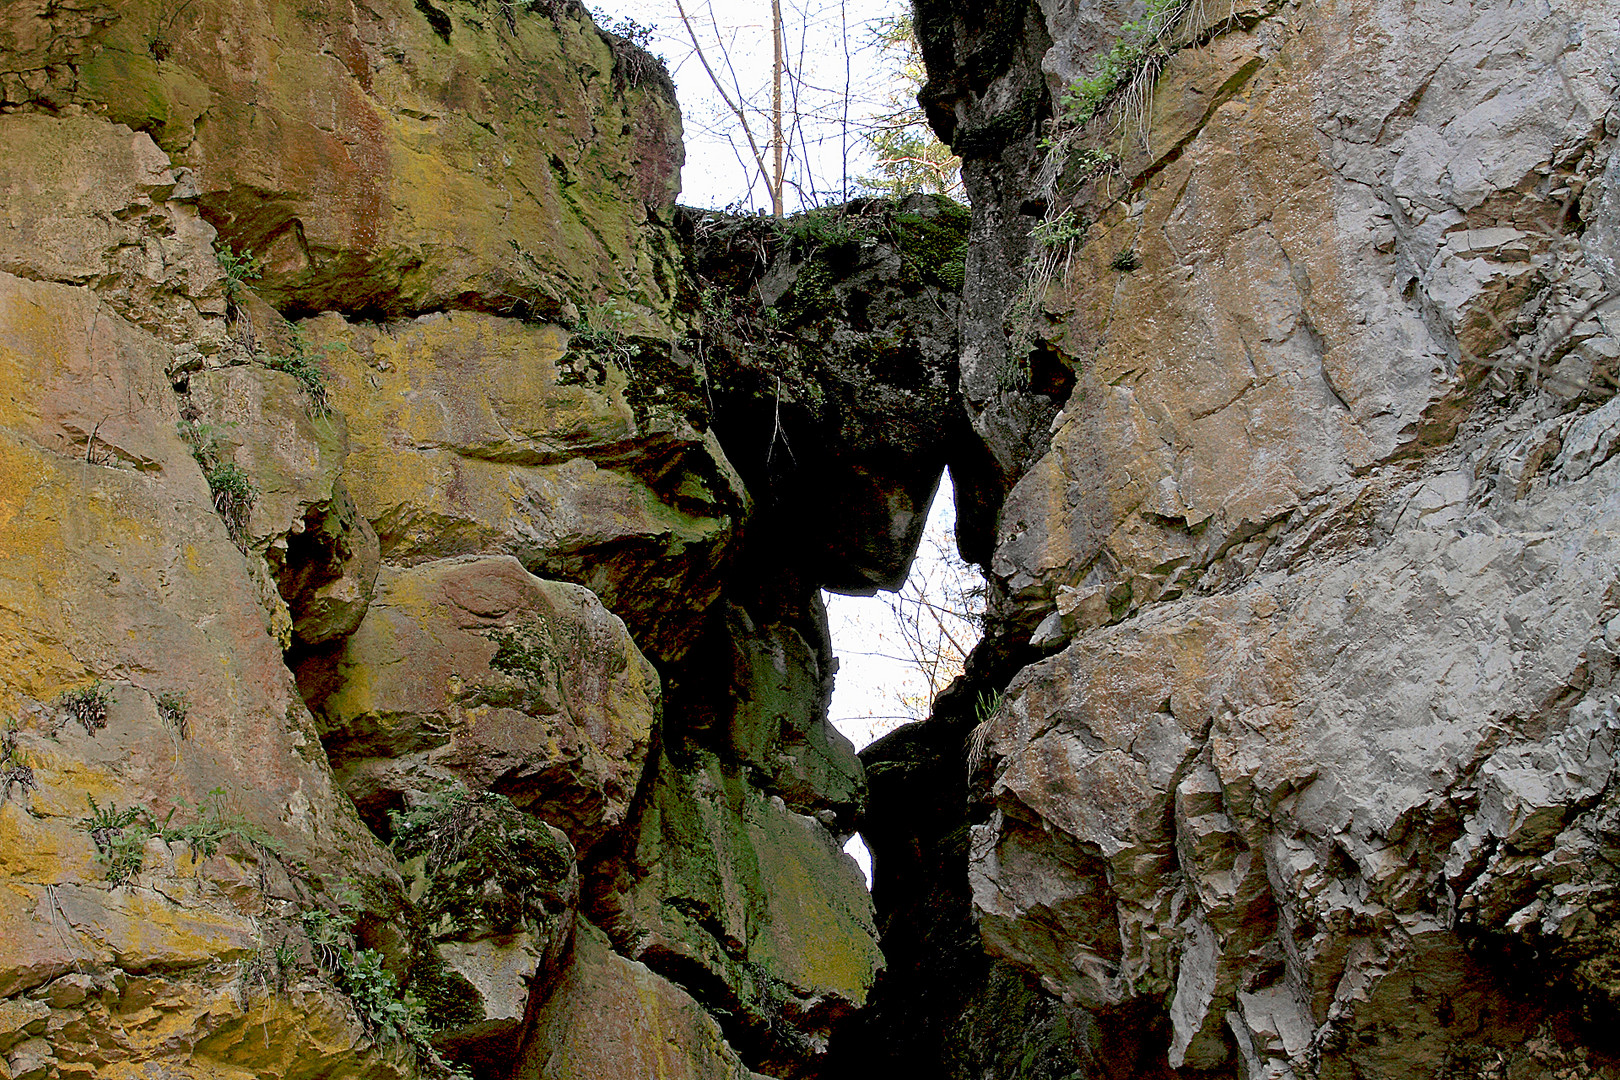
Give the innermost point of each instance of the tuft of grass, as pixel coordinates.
(87, 705)
(1125, 260)
(234, 496)
(173, 708)
(1128, 67)
(14, 768)
(233, 491)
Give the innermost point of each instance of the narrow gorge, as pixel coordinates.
(413, 526)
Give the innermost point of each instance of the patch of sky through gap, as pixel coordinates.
(896, 650)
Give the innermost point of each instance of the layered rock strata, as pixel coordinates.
(398, 675)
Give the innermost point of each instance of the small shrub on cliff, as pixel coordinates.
(173, 707)
(14, 770)
(386, 1011)
(87, 705)
(302, 366)
(238, 271)
(1061, 229)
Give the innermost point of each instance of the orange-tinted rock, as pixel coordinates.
(379, 162)
(475, 671)
(473, 434)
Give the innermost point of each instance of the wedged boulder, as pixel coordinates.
(472, 434)
(611, 1018)
(830, 346)
(753, 906)
(494, 889)
(474, 671)
(387, 158)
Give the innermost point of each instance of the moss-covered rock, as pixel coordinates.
(498, 156)
(752, 906)
(587, 479)
(494, 891)
(831, 365)
(416, 698)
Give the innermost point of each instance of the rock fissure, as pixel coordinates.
(1288, 749)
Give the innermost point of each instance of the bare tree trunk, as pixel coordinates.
(776, 106)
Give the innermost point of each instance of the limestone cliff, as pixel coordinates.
(1290, 752)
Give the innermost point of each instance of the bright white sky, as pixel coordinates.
(876, 690)
(842, 80)
(822, 35)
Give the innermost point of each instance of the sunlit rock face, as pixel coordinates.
(395, 677)
(1307, 587)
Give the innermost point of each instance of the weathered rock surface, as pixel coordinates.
(471, 434)
(830, 349)
(1320, 549)
(611, 1017)
(123, 223)
(751, 905)
(117, 568)
(473, 670)
(451, 370)
(395, 158)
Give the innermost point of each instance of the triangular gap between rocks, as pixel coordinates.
(897, 650)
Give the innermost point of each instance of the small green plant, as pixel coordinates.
(386, 1011)
(273, 966)
(119, 838)
(1061, 229)
(830, 227)
(233, 492)
(14, 769)
(87, 705)
(234, 495)
(1128, 67)
(302, 366)
(602, 327)
(238, 271)
(173, 708)
(328, 934)
(1125, 260)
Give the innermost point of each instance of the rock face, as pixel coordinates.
(1305, 590)
(395, 680)
(412, 529)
